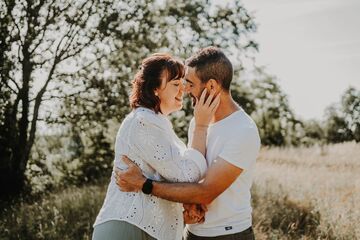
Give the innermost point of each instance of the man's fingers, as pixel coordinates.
(187, 206)
(117, 174)
(127, 160)
(124, 186)
(195, 214)
(118, 177)
(203, 207)
(202, 220)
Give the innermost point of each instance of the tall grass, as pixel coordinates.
(65, 215)
(322, 181)
(298, 193)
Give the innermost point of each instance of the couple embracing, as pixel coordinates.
(158, 183)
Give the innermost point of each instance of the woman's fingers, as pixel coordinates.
(202, 97)
(214, 105)
(196, 102)
(210, 98)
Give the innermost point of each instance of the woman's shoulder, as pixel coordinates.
(149, 117)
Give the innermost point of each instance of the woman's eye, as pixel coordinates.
(177, 84)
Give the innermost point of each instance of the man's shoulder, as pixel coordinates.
(241, 127)
(241, 121)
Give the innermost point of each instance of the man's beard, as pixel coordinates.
(193, 98)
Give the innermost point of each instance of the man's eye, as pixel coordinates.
(177, 84)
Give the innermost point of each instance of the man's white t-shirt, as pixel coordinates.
(236, 140)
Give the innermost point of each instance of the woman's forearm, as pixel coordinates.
(199, 139)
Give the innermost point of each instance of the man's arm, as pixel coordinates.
(218, 178)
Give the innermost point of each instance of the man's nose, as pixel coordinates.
(182, 88)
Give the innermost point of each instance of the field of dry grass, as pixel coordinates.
(320, 186)
(298, 193)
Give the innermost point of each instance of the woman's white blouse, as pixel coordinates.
(150, 141)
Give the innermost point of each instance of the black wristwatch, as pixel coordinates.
(147, 186)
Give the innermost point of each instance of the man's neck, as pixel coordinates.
(227, 107)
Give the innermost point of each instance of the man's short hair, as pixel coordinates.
(211, 63)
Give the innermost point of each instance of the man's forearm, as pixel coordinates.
(182, 192)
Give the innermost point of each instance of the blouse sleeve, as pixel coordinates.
(156, 147)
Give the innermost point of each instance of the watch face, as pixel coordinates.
(147, 187)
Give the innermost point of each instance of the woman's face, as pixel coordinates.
(170, 95)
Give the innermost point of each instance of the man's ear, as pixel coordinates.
(212, 85)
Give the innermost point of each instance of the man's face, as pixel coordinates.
(193, 85)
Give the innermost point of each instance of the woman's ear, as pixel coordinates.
(156, 91)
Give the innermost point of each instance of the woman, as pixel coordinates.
(146, 136)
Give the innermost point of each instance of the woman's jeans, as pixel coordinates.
(119, 230)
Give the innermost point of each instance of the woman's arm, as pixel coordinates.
(153, 142)
(204, 110)
(154, 145)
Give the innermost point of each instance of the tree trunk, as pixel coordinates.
(16, 155)
(11, 180)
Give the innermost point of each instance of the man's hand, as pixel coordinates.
(130, 180)
(194, 213)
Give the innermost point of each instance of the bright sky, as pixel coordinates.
(312, 46)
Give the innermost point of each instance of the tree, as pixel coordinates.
(71, 63)
(350, 102)
(336, 129)
(343, 120)
(276, 121)
(313, 133)
(135, 30)
(37, 39)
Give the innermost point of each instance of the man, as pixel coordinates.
(232, 147)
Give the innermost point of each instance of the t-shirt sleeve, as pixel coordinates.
(242, 149)
(152, 144)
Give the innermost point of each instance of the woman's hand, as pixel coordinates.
(205, 109)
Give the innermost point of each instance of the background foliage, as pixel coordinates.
(66, 71)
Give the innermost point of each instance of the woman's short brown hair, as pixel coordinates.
(148, 78)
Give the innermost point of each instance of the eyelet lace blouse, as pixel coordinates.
(149, 140)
